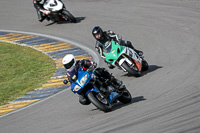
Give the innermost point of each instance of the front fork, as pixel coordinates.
(54, 16)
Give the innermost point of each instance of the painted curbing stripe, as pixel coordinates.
(60, 72)
(41, 40)
(20, 38)
(14, 106)
(61, 53)
(50, 85)
(39, 94)
(55, 80)
(12, 37)
(50, 47)
(78, 57)
(17, 37)
(55, 44)
(7, 36)
(38, 91)
(24, 41)
(3, 33)
(55, 49)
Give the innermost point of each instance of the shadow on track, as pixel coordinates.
(134, 100)
(120, 105)
(151, 69)
(78, 20)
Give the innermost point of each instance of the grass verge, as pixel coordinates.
(22, 69)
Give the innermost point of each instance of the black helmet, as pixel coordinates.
(97, 32)
(38, 0)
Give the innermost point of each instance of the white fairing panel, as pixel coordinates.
(53, 5)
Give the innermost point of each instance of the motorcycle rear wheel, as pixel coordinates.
(126, 97)
(67, 15)
(145, 65)
(106, 107)
(128, 69)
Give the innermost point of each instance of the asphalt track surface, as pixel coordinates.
(166, 98)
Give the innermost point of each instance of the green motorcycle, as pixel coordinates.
(125, 58)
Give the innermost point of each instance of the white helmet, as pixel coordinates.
(69, 61)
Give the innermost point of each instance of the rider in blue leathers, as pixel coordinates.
(72, 66)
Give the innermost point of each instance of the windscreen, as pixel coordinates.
(107, 47)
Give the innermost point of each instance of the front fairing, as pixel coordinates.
(112, 52)
(83, 79)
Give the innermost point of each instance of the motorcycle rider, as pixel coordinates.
(41, 12)
(104, 36)
(72, 66)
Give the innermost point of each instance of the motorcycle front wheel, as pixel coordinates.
(100, 102)
(67, 15)
(128, 69)
(125, 97)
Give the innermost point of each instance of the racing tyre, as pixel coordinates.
(101, 103)
(128, 69)
(67, 15)
(145, 65)
(126, 97)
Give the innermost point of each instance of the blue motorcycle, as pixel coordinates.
(101, 92)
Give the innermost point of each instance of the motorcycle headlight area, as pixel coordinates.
(83, 80)
(76, 88)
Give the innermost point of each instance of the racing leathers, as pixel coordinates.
(41, 12)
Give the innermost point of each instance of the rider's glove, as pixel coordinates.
(94, 64)
(46, 12)
(110, 66)
(65, 81)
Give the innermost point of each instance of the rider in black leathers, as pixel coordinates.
(73, 66)
(104, 36)
(41, 12)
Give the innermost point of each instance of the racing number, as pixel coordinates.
(130, 53)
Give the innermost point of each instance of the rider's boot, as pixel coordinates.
(110, 66)
(47, 18)
(115, 80)
(117, 83)
(104, 73)
(129, 44)
(83, 100)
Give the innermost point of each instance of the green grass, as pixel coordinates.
(22, 69)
